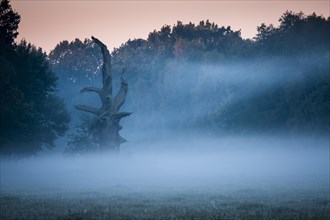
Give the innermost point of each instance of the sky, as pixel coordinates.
(45, 23)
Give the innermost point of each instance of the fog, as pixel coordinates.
(193, 162)
(189, 92)
(163, 151)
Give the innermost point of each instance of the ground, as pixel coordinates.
(238, 179)
(121, 202)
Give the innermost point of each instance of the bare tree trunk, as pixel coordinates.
(108, 115)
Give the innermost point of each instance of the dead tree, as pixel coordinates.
(108, 115)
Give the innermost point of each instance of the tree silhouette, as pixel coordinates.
(31, 115)
(108, 116)
(9, 21)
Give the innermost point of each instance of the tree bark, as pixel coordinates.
(108, 115)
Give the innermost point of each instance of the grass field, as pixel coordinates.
(239, 179)
(120, 202)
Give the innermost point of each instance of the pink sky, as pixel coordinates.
(46, 23)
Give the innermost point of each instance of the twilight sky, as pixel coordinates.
(47, 22)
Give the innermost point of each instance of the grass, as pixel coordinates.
(121, 202)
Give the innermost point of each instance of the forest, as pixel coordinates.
(189, 77)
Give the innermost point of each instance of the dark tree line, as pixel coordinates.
(278, 81)
(31, 115)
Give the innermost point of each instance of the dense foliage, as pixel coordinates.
(31, 115)
(9, 21)
(77, 64)
(76, 60)
(206, 76)
(298, 52)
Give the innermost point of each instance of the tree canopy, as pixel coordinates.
(9, 21)
(31, 115)
(208, 77)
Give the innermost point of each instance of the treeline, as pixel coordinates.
(208, 77)
(201, 77)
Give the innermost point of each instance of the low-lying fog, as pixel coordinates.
(187, 161)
